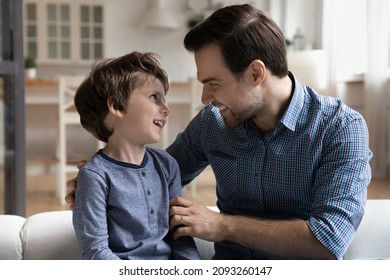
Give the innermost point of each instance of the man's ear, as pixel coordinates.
(257, 71)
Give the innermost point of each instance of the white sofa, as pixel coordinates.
(50, 236)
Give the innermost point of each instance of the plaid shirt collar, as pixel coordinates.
(290, 116)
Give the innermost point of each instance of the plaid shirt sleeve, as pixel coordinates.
(340, 185)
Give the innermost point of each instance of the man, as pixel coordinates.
(291, 166)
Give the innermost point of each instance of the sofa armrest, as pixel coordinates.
(10, 243)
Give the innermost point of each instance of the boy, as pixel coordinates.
(122, 205)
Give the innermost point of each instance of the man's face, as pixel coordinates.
(236, 99)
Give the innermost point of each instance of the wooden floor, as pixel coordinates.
(41, 192)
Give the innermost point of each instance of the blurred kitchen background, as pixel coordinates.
(340, 47)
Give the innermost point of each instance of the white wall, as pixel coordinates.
(124, 32)
(307, 16)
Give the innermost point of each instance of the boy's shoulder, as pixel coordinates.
(158, 152)
(160, 155)
(95, 162)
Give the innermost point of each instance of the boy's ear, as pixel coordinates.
(112, 110)
(257, 71)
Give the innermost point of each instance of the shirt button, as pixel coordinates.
(148, 192)
(143, 173)
(152, 211)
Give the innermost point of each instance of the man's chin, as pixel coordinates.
(232, 123)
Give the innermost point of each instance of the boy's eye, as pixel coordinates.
(154, 96)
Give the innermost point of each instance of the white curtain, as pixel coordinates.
(377, 83)
(331, 34)
(344, 39)
(356, 37)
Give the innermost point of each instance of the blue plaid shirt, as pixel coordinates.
(314, 166)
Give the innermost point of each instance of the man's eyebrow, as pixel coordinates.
(208, 80)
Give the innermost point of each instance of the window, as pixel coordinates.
(353, 41)
(346, 35)
(31, 34)
(58, 31)
(91, 30)
(64, 31)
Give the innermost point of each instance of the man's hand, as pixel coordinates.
(288, 239)
(188, 218)
(71, 186)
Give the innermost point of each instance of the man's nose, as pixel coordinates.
(207, 97)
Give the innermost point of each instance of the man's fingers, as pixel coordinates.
(70, 199)
(180, 201)
(181, 231)
(71, 185)
(81, 163)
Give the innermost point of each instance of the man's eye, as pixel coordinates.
(154, 96)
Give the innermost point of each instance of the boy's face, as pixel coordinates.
(146, 114)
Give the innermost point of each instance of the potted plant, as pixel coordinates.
(30, 68)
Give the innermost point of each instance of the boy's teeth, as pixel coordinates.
(158, 123)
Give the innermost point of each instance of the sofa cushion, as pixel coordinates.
(50, 236)
(205, 248)
(372, 240)
(10, 243)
